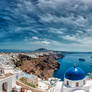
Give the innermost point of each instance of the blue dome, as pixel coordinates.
(75, 73)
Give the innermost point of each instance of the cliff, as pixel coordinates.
(43, 67)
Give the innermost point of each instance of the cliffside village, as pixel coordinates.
(15, 80)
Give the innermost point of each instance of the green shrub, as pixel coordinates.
(24, 80)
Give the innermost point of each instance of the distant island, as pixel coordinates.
(40, 50)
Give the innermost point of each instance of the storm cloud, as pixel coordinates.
(54, 24)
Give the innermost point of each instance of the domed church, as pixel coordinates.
(74, 80)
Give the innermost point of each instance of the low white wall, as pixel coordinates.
(86, 89)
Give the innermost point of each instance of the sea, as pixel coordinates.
(73, 59)
(69, 60)
(14, 51)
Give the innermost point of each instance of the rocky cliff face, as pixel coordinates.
(42, 67)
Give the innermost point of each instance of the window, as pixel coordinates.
(77, 84)
(67, 83)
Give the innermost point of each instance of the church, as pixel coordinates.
(75, 80)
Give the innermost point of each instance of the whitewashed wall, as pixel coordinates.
(73, 83)
(9, 83)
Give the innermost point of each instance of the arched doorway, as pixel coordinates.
(4, 87)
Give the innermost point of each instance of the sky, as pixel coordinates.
(64, 25)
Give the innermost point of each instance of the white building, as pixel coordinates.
(7, 81)
(75, 80)
(8, 78)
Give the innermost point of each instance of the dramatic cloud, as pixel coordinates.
(54, 24)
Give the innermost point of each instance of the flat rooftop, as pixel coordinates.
(5, 76)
